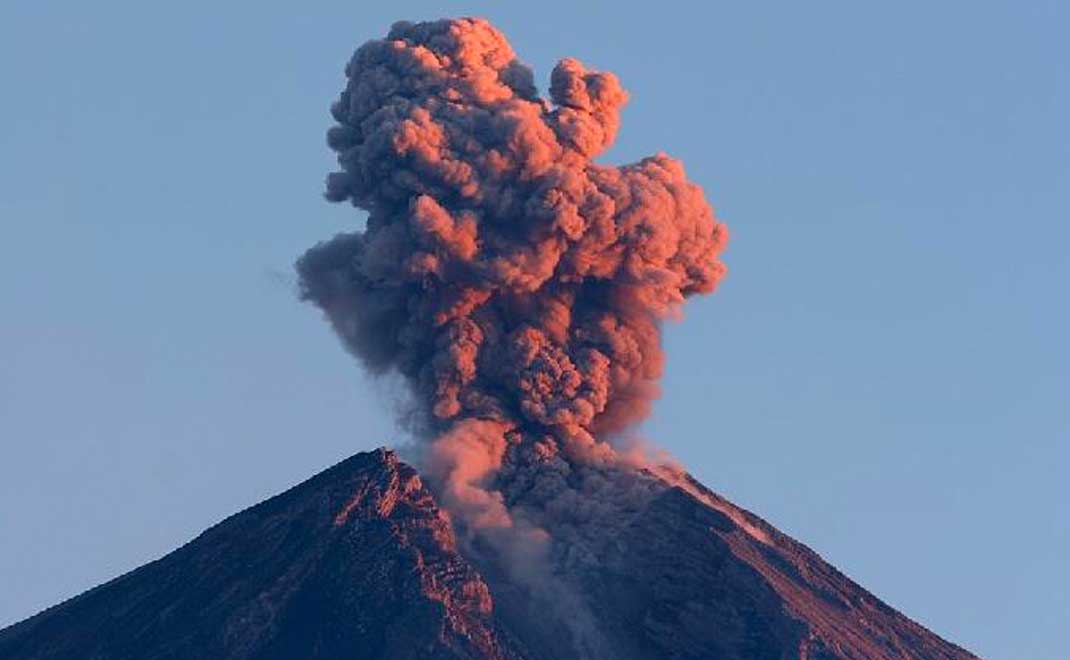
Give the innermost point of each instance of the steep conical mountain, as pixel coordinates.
(360, 562)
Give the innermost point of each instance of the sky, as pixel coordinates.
(883, 374)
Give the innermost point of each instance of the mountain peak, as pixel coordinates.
(360, 561)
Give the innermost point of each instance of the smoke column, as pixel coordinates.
(515, 284)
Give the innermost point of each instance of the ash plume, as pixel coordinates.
(515, 284)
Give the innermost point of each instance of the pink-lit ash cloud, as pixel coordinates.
(516, 285)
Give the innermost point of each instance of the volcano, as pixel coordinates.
(361, 562)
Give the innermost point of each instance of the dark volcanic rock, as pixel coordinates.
(359, 562)
(694, 576)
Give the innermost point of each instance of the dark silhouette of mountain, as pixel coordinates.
(360, 562)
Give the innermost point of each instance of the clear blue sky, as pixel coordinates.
(884, 374)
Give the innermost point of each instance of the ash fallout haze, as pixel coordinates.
(521, 271)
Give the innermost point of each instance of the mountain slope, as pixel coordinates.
(707, 579)
(359, 562)
(356, 562)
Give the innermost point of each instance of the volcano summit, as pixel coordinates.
(360, 562)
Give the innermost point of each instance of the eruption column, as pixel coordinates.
(515, 284)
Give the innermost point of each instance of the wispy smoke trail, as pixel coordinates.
(514, 283)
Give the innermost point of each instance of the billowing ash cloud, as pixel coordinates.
(514, 283)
